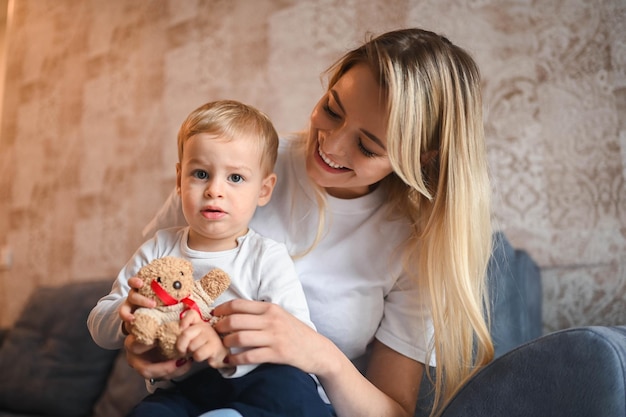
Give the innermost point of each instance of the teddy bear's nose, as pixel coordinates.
(177, 285)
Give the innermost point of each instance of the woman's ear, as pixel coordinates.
(178, 176)
(267, 186)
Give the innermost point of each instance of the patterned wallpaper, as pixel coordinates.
(96, 90)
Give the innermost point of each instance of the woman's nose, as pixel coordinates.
(335, 142)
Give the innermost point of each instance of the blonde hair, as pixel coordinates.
(435, 142)
(230, 118)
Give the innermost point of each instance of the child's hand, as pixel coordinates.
(133, 301)
(200, 341)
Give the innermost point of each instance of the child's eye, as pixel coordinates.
(236, 178)
(200, 174)
(366, 151)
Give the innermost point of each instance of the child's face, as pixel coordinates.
(221, 183)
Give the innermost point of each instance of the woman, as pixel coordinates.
(384, 204)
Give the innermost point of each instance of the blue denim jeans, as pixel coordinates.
(268, 391)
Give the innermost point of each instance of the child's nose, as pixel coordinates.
(214, 188)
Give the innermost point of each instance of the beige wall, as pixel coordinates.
(4, 9)
(96, 90)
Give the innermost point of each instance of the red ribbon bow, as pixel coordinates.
(168, 300)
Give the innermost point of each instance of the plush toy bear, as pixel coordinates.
(169, 281)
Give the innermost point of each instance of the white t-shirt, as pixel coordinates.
(259, 268)
(353, 279)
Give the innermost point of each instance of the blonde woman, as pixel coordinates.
(385, 206)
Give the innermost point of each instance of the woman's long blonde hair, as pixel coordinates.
(435, 142)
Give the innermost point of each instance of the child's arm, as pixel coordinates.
(104, 322)
(200, 341)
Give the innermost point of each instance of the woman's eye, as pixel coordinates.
(366, 151)
(236, 178)
(200, 174)
(330, 112)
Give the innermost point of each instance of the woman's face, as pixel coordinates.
(348, 131)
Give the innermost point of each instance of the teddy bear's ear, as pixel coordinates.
(145, 272)
(187, 268)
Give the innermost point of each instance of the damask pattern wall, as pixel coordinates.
(96, 90)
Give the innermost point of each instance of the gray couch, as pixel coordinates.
(577, 372)
(51, 367)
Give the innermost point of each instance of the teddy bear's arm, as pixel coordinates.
(215, 282)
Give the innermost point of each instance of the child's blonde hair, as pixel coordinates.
(230, 118)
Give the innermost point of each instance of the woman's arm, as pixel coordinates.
(396, 375)
(390, 388)
(272, 335)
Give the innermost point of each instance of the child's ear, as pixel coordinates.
(178, 175)
(267, 186)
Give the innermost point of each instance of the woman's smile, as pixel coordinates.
(329, 162)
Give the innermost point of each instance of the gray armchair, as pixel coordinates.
(577, 372)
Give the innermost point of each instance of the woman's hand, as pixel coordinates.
(133, 301)
(269, 334)
(149, 363)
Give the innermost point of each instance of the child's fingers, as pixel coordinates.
(215, 358)
(203, 344)
(190, 317)
(137, 300)
(135, 282)
(193, 336)
(187, 335)
(126, 312)
(134, 298)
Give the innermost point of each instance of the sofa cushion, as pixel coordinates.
(50, 365)
(124, 389)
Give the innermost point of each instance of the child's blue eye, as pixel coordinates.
(201, 175)
(236, 178)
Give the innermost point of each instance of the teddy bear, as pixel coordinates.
(169, 281)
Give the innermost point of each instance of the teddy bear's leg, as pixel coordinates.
(145, 328)
(167, 336)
